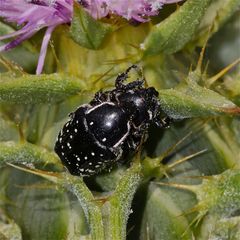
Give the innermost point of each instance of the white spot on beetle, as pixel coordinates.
(90, 163)
(62, 153)
(93, 154)
(78, 159)
(71, 136)
(75, 130)
(85, 158)
(104, 139)
(91, 123)
(150, 115)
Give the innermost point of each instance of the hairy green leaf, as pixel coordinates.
(35, 205)
(25, 153)
(219, 194)
(120, 202)
(224, 228)
(89, 205)
(28, 89)
(192, 100)
(163, 219)
(87, 31)
(8, 130)
(173, 33)
(218, 13)
(9, 231)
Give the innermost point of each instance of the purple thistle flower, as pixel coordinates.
(138, 10)
(35, 15)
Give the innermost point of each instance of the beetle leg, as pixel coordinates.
(123, 76)
(163, 122)
(134, 85)
(99, 97)
(120, 79)
(139, 136)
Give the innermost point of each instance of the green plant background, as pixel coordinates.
(186, 183)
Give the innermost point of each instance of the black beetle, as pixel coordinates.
(110, 127)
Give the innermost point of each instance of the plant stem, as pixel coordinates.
(91, 209)
(117, 209)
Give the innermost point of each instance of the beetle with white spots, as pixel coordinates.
(109, 128)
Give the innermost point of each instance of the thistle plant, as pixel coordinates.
(184, 182)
